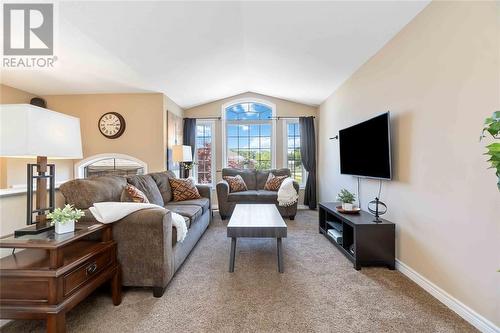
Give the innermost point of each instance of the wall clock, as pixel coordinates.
(111, 125)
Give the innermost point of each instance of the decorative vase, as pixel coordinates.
(346, 206)
(63, 228)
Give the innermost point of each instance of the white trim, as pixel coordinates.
(474, 318)
(285, 149)
(79, 167)
(273, 126)
(213, 150)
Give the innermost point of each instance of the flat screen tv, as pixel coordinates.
(365, 148)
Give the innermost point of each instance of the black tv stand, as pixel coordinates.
(364, 242)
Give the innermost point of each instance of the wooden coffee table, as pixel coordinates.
(256, 221)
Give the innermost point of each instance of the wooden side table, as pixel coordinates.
(56, 272)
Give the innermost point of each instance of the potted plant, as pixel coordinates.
(346, 198)
(492, 126)
(64, 219)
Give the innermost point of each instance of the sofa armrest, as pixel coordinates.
(222, 190)
(206, 192)
(144, 241)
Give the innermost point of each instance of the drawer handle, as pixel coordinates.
(91, 269)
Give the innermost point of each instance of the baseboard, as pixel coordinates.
(474, 318)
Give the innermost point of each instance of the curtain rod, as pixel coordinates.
(288, 117)
(271, 118)
(208, 118)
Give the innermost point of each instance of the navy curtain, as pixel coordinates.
(308, 153)
(189, 133)
(189, 138)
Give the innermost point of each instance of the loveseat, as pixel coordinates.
(148, 250)
(255, 181)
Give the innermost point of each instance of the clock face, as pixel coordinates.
(112, 125)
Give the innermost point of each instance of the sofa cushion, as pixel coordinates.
(192, 212)
(261, 176)
(161, 180)
(236, 183)
(147, 185)
(267, 196)
(132, 194)
(183, 189)
(204, 203)
(83, 193)
(245, 196)
(248, 176)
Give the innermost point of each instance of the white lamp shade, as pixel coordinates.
(29, 131)
(182, 153)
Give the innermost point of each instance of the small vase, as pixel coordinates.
(347, 206)
(63, 228)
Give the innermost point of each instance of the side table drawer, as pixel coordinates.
(86, 271)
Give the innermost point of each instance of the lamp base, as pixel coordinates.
(33, 229)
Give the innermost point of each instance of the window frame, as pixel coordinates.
(285, 149)
(226, 122)
(211, 123)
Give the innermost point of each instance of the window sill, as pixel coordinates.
(9, 192)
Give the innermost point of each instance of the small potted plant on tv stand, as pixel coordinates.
(346, 198)
(64, 219)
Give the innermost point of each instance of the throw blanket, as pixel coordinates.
(287, 195)
(109, 212)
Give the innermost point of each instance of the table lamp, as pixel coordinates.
(183, 155)
(28, 131)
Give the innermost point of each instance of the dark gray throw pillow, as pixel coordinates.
(147, 185)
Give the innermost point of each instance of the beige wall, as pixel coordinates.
(440, 79)
(283, 108)
(144, 117)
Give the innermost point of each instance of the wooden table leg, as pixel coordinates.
(280, 255)
(116, 287)
(56, 323)
(231, 256)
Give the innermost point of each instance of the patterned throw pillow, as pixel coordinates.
(133, 194)
(183, 189)
(236, 183)
(273, 182)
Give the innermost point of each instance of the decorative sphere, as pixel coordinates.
(372, 207)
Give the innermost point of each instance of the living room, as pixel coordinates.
(253, 125)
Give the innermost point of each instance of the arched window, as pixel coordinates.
(249, 134)
(110, 164)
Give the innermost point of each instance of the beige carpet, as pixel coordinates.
(319, 292)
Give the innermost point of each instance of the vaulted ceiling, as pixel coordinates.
(197, 52)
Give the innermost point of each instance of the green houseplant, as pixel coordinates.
(346, 198)
(64, 219)
(492, 126)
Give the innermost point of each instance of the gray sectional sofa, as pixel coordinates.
(148, 250)
(255, 181)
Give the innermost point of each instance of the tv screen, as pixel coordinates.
(365, 148)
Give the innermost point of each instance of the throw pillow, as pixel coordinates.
(183, 189)
(236, 183)
(273, 182)
(133, 194)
